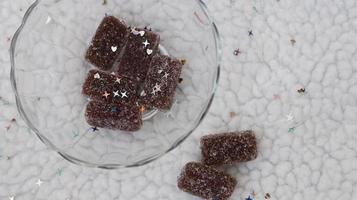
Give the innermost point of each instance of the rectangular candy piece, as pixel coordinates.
(107, 43)
(228, 148)
(161, 82)
(109, 88)
(206, 182)
(135, 60)
(113, 116)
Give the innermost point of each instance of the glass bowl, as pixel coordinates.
(48, 70)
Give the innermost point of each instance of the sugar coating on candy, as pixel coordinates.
(161, 82)
(206, 182)
(107, 43)
(228, 148)
(134, 62)
(109, 88)
(113, 116)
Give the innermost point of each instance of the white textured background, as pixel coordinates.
(258, 89)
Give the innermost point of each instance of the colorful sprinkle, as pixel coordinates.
(142, 33)
(292, 129)
(153, 91)
(114, 110)
(142, 109)
(301, 90)
(116, 93)
(237, 52)
(248, 198)
(106, 94)
(166, 75)
(267, 196)
(97, 76)
(135, 32)
(118, 80)
(146, 43)
(149, 51)
(143, 93)
(157, 88)
(94, 129)
(124, 94)
(114, 48)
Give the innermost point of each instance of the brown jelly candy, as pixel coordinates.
(161, 82)
(228, 148)
(113, 116)
(206, 182)
(109, 88)
(107, 43)
(141, 46)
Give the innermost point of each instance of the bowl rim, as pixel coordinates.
(78, 161)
